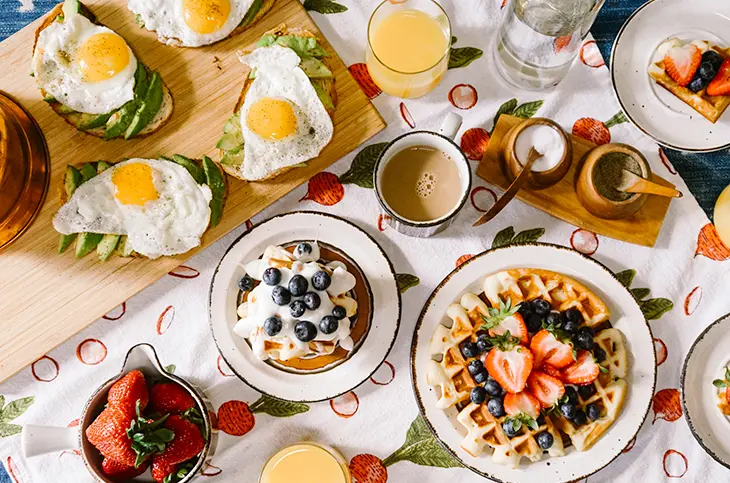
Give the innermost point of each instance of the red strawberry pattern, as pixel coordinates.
(384, 375)
(596, 131)
(91, 352)
(710, 245)
(675, 464)
(490, 195)
(665, 161)
(463, 258)
(223, 368)
(45, 369)
(666, 405)
(590, 55)
(661, 351)
(367, 468)
(406, 115)
(345, 406)
(183, 271)
(463, 96)
(361, 74)
(325, 188)
(117, 313)
(237, 418)
(692, 301)
(584, 241)
(474, 143)
(165, 320)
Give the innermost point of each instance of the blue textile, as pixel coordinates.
(706, 175)
(4, 477)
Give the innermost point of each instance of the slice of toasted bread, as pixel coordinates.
(163, 114)
(326, 84)
(711, 107)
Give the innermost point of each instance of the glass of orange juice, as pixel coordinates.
(306, 462)
(408, 46)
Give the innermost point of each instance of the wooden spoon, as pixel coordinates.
(633, 183)
(512, 190)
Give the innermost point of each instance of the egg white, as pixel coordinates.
(57, 74)
(279, 76)
(166, 18)
(171, 224)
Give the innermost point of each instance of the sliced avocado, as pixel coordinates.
(138, 20)
(70, 7)
(123, 248)
(195, 171)
(122, 118)
(252, 11)
(88, 171)
(314, 68)
(65, 241)
(86, 242)
(49, 98)
(303, 46)
(214, 180)
(64, 109)
(324, 96)
(233, 125)
(71, 180)
(148, 108)
(231, 141)
(232, 159)
(102, 166)
(106, 246)
(141, 82)
(266, 40)
(92, 121)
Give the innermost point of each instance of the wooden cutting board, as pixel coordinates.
(45, 298)
(561, 201)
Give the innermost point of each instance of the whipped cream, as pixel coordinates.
(259, 305)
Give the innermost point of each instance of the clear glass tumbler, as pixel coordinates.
(538, 40)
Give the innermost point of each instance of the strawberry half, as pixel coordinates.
(551, 371)
(583, 371)
(128, 390)
(549, 350)
(515, 324)
(720, 85)
(509, 363)
(522, 403)
(546, 388)
(682, 62)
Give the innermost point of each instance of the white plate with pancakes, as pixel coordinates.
(314, 377)
(625, 316)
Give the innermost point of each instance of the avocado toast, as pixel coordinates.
(147, 112)
(314, 63)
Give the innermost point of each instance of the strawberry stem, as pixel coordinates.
(619, 118)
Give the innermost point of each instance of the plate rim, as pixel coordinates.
(623, 107)
(419, 322)
(339, 219)
(682, 380)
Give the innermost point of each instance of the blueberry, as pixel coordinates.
(586, 391)
(305, 331)
(706, 71)
(593, 411)
(304, 249)
(713, 58)
(544, 440)
(272, 326)
(272, 276)
(524, 309)
(541, 420)
(555, 319)
(482, 333)
(329, 324)
(584, 339)
(483, 344)
(580, 418)
(312, 300)
(567, 410)
(245, 283)
(478, 395)
(599, 354)
(339, 311)
(280, 295)
(571, 395)
(574, 315)
(540, 306)
(510, 428)
(493, 388)
(570, 326)
(298, 285)
(496, 407)
(469, 350)
(321, 280)
(533, 322)
(697, 84)
(481, 377)
(297, 308)
(475, 366)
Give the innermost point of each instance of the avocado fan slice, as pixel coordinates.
(71, 181)
(217, 186)
(148, 108)
(195, 171)
(106, 246)
(120, 120)
(86, 242)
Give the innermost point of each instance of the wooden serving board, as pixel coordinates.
(561, 201)
(45, 297)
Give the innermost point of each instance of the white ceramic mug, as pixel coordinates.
(443, 141)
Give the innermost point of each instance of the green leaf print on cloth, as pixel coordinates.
(277, 408)
(421, 448)
(652, 308)
(406, 281)
(11, 411)
(362, 167)
(324, 6)
(462, 56)
(507, 236)
(524, 111)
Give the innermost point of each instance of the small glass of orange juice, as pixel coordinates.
(306, 462)
(408, 46)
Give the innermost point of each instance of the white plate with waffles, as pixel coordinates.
(577, 288)
(314, 339)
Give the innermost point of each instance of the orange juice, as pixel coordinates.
(722, 216)
(408, 47)
(306, 463)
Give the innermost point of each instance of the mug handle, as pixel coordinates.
(451, 125)
(37, 440)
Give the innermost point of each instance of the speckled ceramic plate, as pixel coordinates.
(653, 109)
(368, 259)
(706, 362)
(625, 316)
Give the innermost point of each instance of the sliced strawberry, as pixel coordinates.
(510, 367)
(549, 350)
(546, 388)
(720, 85)
(583, 371)
(682, 62)
(727, 394)
(551, 370)
(515, 324)
(522, 403)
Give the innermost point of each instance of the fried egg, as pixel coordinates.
(86, 67)
(283, 121)
(156, 203)
(192, 23)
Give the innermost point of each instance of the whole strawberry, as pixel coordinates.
(161, 469)
(187, 443)
(120, 471)
(109, 434)
(170, 398)
(128, 390)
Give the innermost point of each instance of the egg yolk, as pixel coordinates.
(102, 56)
(206, 16)
(272, 119)
(134, 184)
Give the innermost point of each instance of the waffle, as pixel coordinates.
(711, 107)
(448, 373)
